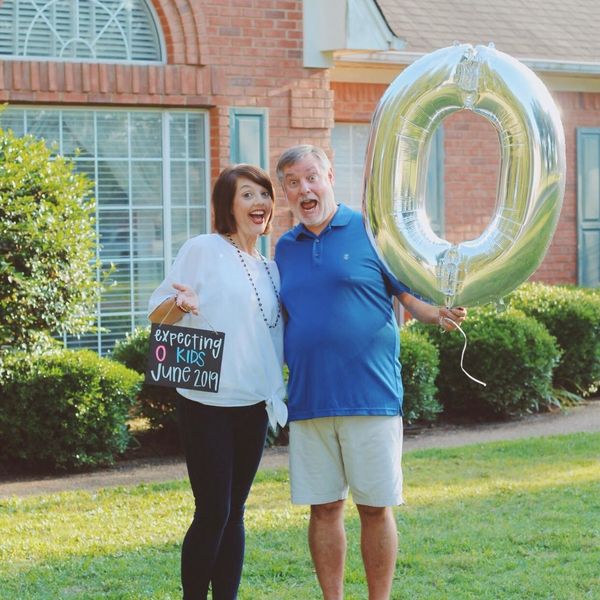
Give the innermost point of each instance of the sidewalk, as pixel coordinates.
(582, 418)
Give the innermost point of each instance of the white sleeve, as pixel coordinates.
(181, 271)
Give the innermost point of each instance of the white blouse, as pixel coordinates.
(251, 369)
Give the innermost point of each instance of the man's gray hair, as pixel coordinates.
(296, 153)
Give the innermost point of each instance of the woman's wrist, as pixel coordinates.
(179, 304)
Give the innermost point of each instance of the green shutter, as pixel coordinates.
(249, 145)
(588, 207)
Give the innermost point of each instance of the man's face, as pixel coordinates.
(308, 186)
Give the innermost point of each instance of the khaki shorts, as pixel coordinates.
(331, 455)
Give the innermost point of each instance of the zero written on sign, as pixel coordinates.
(185, 357)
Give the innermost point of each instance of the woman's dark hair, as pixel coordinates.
(224, 193)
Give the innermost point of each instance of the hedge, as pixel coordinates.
(64, 408)
(572, 316)
(511, 352)
(420, 367)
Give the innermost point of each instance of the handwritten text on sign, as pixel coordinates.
(185, 357)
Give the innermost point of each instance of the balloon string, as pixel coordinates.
(462, 356)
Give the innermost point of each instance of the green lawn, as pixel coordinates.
(503, 520)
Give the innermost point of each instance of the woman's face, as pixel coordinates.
(252, 207)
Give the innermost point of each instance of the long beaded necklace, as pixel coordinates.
(264, 262)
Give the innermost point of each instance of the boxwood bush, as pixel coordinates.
(156, 403)
(513, 353)
(47, 244)
(572, 316)
(420, 367)
(64, 408)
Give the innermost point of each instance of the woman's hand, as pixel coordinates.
(186, 298)
(456, 314)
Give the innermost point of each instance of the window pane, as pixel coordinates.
(197, 144)
(179, 228)
(178, 132)
(78, 134)
(113, 183)
(146, 277)
(340, 141)
(146, 135)
(87, 167)
(113, 130)
(114, 233)
(197, 184)
(349, 144)
(14, 120)
(147, 233)
(179, 184)
(44, 124)
(197, 222)
(146, 183)
(117, 326)
(117, 296)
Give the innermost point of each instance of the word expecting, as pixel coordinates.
(185, 357)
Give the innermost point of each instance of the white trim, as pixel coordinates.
(166, 191)
(344, 25)
(207, 179)
(392, 57)
(7, 57)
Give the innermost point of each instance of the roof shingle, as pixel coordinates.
(545, 30)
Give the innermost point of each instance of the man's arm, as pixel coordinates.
(428, 313)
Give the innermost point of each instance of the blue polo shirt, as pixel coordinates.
(341, 338)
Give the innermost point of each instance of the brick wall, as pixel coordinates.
(471, 163)
(219, 54)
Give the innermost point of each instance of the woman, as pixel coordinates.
(219, 281)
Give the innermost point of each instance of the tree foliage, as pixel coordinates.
(47, 244)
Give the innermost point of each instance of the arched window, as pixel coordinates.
(80, 30)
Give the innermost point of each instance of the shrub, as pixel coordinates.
(47, 244)
(156, 403)
(514, 354)
(64, 408)
(572, 316)
(420, 367)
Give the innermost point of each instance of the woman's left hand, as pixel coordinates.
(448, 317)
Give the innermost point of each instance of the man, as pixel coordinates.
(345, 390)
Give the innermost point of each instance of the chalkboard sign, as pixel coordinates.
(185, 357)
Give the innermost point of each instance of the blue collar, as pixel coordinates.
(342, 217)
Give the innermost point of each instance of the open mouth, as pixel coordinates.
(308, 204)
(258, 216)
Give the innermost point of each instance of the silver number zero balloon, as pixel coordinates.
(530, 187)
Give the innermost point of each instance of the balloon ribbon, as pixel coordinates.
(462, 356)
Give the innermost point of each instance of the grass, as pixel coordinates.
(503, 520)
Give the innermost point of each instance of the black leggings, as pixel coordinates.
(223, 447)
